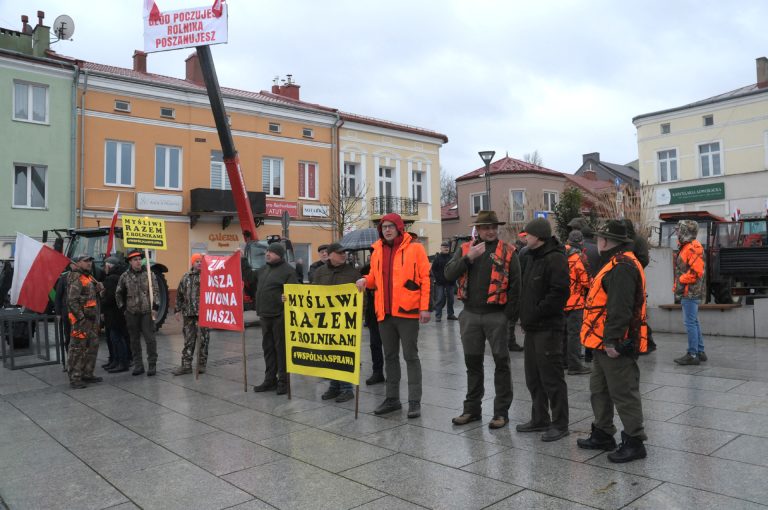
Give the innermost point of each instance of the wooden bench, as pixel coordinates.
(708, 306)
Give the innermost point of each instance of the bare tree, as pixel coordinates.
(533, 157)
(628, 202)
(345, 208)
(516, 222)
(447, 188)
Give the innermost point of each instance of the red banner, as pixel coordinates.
(221, 292)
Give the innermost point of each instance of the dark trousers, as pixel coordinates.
(475, 329)
(573, 320)
(394, 332)
(141, 324)
(443, 295)
(616, 382)
(545, 379)
(377, 350)
(118, 338)
(273, 344)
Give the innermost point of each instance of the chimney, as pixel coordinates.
(25, 28)
(762, 72)
(194, 71)
(41, 37)
(589, 173)
(140, 61)
(592, 155)
(289, 90)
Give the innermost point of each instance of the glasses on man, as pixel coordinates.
(388, 226)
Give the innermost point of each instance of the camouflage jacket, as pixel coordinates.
(188, 294)
(689, 271)
(133, 291)
(82, 296)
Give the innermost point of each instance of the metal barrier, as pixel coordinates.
(41, 331)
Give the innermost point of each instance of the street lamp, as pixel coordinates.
(487, 156)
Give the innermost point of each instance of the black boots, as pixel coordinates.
(151, 370)
(597, 440)
(120, 367)
(375, 378)
(631, 448)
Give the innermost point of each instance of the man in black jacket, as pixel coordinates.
(545, 292)
(444, 289)
(114, 320)
(335, 272)
(322, 250)
(269, 305)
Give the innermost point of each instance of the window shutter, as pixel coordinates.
(312, 192)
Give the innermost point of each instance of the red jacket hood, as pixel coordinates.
(392, 218)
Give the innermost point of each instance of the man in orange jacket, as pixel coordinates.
(400, 278)
(574, 308)
(689, 288)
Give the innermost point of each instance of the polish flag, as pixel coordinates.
(151, 11)
(218, 8)
(36, 269)
(111, 239)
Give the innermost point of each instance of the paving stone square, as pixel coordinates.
(180, 442)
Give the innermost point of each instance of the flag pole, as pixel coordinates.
(245, 370)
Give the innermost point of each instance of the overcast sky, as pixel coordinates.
(563, 77)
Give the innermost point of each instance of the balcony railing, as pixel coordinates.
(399, 205)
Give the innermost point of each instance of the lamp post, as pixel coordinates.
(487, 156)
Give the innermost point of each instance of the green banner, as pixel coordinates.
(714, 191)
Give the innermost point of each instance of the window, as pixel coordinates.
(550, 200)
(667, 165)
(517, 200)
(308, 180)
(274, 127)
(122, 106)
(219, 176)
(168, 113)
(118, 163)
(417, 182)
(478, 202)
(709, 120)
(709, 157)
(29, 186)
(167, 167)
(272, 176)
(386, 181)
(308, 133)
(30, 102)
(665, 128)
(349, 183)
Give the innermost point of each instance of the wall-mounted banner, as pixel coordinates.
(184, 28)
(688, 194)
(324, 330)
(221, 292)
(143, 232)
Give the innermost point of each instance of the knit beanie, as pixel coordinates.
(277, 249)
(540, 228)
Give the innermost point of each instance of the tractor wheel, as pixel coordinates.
(163, 299)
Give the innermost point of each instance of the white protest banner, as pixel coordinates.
(184, 28)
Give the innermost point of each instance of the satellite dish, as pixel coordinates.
(64, 27)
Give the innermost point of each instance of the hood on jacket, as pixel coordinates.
(392, 218)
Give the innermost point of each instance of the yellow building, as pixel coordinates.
(709, 155)
(152, 140)
(393, 168)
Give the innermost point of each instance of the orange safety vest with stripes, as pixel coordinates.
(580, 281)
(595, 308)
(501, 258)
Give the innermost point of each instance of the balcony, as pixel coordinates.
(217, 202)
(398, 205)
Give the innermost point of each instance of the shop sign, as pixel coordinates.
(222, 240)
(158, 202)
(276, 208)
(687, 194)
(316, 210)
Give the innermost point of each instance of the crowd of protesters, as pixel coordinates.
(580, 303)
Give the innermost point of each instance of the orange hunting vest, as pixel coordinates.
(497, 290)
(577, 264)
(595, 308)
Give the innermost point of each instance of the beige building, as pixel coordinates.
(392, 168)
(709, 155)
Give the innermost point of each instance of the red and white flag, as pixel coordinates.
(111, 240)
(36, 268)
(151, 10)
(218, 8)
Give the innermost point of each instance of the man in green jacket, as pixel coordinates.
(269, 305)
(335, 272)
